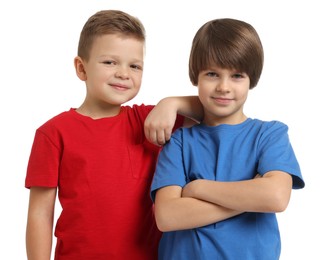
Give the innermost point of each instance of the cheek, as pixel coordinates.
(242, 96)
(137, 81)
(200, 90)
(100, 75)
(203, 92)
(203, 96)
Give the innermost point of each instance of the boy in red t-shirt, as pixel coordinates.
(97, 156)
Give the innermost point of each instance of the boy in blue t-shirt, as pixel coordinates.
(218, 185)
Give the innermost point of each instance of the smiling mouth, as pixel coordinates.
(119, 87)
(223, 101)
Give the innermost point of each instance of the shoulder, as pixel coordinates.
(185, 134)
(265, 127)
(271, 135)
(268, 124)
(50, 132)
(142, 108)
(138, 111)
(59, 119)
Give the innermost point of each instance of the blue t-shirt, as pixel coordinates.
(226, 153)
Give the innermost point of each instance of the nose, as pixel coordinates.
(223, 87)
(122, 72)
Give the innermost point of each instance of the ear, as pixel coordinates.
(79, 67)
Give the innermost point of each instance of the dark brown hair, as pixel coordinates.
(108, 22)
(227, 43)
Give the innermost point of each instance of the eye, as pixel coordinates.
(108, 62)
(239, 75)
(136, 67)
(211, 74)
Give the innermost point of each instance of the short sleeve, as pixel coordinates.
(170, 166)
(43, 165)
(276, 153)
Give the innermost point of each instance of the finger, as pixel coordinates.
(151, 136)
(168, 133)
(161, 137)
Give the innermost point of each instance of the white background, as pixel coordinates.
(39, 41)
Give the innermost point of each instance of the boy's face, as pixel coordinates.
(223, 93)
(114, 71)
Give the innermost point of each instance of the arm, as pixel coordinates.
(174, 212)
(39, 230)
(271, 193)
(160, 121)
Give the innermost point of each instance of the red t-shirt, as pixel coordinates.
(103, 170)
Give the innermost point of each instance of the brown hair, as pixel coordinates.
(227, 43)
(108, 22)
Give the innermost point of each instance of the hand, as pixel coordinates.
(159, 123)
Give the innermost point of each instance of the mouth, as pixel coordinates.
(222, 100)
(119, 87)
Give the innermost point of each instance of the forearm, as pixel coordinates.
(39, 231)
(38, 238)
(178, 213)
(270, 193)
(187, 106)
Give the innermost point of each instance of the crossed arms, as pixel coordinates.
(203, 202)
